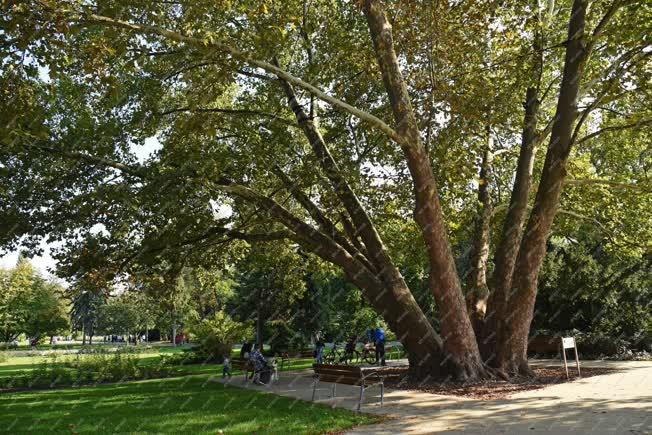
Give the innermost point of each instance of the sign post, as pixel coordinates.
(569, 343)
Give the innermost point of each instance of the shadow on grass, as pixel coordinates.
(181, 405)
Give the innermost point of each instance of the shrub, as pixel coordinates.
(598, 346)
(217, 335)
(93, 368)
(4, 357)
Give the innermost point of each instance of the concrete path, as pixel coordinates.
(619, 403)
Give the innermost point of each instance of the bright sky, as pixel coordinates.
(46, 263)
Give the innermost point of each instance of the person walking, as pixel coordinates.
(319, 350)
(379, 339)
(259, 364)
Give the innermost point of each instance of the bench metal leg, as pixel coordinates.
(361, 397)
(333, 394)
(314, 388)
(382, 392)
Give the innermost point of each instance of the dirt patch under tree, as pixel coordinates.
(497, 388)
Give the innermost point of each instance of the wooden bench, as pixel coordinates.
(544, 344)
(348, 375)
(287, 357)
(244, 365)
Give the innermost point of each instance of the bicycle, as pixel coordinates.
(340, 356)
(368, 354)
(333, 355)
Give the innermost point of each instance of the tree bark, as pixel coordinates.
(388, 292)
(477, 290)
(511, 349)
(174, 329)
(458, 337)
(259, 321)
(512, 232)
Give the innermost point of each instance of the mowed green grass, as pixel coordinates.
(16, 364)
(192, 404)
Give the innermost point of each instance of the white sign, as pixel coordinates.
(568, 342)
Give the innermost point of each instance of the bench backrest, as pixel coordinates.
(340, 374)
(240, 363)
(543, 343)
(306, 353)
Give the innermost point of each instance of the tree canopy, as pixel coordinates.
(382, 137)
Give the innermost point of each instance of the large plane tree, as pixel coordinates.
(313, 121)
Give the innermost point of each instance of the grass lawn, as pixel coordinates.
(20, 365)
(192, 404)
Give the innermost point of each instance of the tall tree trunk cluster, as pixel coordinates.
(482, 330)
(482, 333)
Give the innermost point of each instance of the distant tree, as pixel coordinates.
(29, 304)
(48, 310)
(85, 311)
(128, 313)
(269, 282)
(585, 287)
(14, 298)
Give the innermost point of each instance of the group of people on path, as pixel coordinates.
(261, 366)
(374, 335)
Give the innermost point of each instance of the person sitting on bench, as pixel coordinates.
(260, 364)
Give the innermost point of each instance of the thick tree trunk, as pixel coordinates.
(259, 322)
(511, 349)
(457, 334)
(507, 250)
(174, 329)
(505, 256)
(477, 290)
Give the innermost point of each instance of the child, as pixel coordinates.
(274, 367)
(226, 369)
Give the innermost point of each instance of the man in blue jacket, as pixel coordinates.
(379, 339)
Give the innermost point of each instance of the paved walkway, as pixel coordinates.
(619, 403)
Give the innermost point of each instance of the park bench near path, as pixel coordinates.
(544, 345)
(244, 365)
(348, 375)
(290, 355)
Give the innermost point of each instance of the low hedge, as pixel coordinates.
(91, 369)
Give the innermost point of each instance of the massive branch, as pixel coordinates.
(321, 219)
(457, 332)
(398, 307)
(359, 217)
